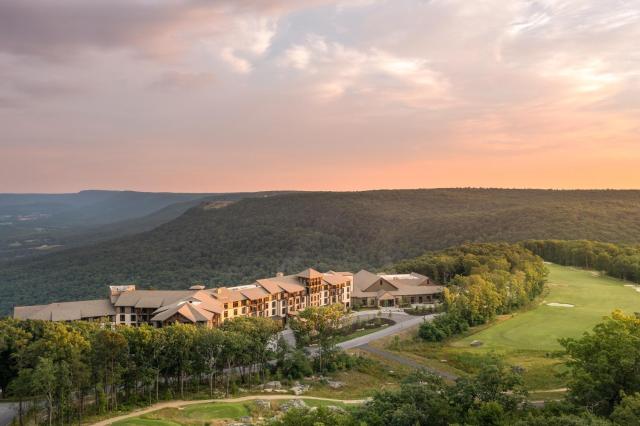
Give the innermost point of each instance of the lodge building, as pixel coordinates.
(277, 297)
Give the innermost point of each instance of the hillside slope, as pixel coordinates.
(346, 231)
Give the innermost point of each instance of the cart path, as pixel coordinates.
(391, 356)
(177, 404)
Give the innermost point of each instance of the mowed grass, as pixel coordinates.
(593, 296)
(214, 413)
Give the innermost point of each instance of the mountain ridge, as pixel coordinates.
(257, 237)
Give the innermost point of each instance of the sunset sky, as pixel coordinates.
(230, 95)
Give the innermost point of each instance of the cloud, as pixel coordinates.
(258, 82)
(184, 80)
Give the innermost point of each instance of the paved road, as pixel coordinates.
(175, 404)
(7, 412)
(403, 321)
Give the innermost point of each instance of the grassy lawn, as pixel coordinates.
(593, 297)
(530, 339)
(212, 413)
(145, 422)
(359, 333)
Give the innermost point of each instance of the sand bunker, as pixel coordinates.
(635, 287)
(560, 305)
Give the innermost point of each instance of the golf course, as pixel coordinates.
(574, 301)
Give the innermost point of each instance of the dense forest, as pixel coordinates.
(343, 231)
(483, 280)
(60, 373)
(616, 260)
(75, 368)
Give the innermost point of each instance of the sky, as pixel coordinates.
(240, 95)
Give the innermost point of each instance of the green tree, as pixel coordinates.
(321, 324)
(605, 363)
(627, 413)
(44, 383)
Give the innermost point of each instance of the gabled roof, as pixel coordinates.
(403, 284)
(255, 293)
(335, 279)
(384, 295)
(194, 309)
(309, 274)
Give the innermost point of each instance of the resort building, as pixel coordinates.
(277, 297)
(385, 290)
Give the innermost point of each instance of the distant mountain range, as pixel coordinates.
(35, 224)
(224, 239)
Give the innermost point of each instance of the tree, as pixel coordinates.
(322, 416)
(605, 364)
(23, 388)
(44, 383)
(628, 411)
(109, 350)
(210, 345)
(180, 351)
(321, 324)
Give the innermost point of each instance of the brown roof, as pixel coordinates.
(309, 273)
(405, 284)
(151, 298)
(255, 293)
(66, 311)
(335, 279)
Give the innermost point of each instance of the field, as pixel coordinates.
(530, 339)
(593, 297)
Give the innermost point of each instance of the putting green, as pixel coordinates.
(592, 296)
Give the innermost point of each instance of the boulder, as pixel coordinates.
(294, 403)
(335, 384)
(273, 385)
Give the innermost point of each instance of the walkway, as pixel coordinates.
(176, 404)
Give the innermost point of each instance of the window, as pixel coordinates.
(133, 317)
(235, 304)
(226, 314)
(273, 312)
(122, 318)
(235, 312)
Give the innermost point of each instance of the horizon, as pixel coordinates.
(194, 96)
(325, 190)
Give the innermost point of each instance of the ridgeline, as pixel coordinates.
(256, 237)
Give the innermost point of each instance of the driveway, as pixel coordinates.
(403, 321)
(7, 412)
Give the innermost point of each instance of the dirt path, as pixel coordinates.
(406, 361)
(176, 404)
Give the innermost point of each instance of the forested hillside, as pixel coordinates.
(343, 231)
(38, 224)
(616, 260)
